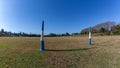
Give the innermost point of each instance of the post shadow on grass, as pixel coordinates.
(80, 49)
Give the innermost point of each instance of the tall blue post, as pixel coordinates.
(42, 38)
(89, 39)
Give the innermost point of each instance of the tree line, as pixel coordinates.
(20, 34)
(106, 28)
(23, 34)
(63, 34)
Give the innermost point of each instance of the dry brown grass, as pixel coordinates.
(103, 51)
(61, 52)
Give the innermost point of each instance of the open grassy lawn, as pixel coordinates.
(61, 52)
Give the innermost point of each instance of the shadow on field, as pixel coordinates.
(80, 49)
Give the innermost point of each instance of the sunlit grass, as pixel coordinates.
(61, 52)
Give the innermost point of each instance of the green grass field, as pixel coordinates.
(61, 52)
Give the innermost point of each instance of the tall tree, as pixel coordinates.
(2, 30)
(102, 30)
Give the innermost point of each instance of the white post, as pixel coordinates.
(89, 39)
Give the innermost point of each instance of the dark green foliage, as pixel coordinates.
(116, 30)
(103, 30)
(67, 34)
(75, 33)
(57, 35)
(21, 34)
(2, 30)
(52, 35)
(108, 28)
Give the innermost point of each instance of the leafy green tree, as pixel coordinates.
(116, 30)
(2, 30)
(67, 34)
(102, 30)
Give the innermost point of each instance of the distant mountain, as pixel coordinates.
(106, 25)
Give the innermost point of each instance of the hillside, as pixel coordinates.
(96, 29)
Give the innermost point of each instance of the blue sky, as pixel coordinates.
(60, 16)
